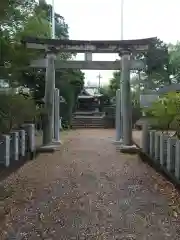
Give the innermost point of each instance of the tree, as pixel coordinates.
(10, 116)
(72, 78)
(13, 13)
(33, 20)
(156, 74)
(114, 83)
(25, 21)
(174, 59)
(70, 82)
(166, 110)
(158, 66)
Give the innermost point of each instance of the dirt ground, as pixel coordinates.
(88, 190)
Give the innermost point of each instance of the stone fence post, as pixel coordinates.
(30, 139)
(14, 146)
(157, 147)
(152, 143)
(5, 150)
(145, 138)
(171, 142)
(162, 149)
(177, 160)
(22, 143)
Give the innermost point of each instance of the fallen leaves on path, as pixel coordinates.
(167, 188)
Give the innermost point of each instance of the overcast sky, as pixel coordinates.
(101, 20)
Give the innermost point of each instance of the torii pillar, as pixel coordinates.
(126, 99)
(126, 104)
(48, 128)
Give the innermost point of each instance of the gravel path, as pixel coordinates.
(88, 190)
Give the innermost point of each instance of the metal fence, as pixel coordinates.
(163, 150)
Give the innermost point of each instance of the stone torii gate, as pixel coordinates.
(125, 48)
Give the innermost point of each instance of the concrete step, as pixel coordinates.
(87, 122)
(90, 122)
(86, 126)
(82, 123)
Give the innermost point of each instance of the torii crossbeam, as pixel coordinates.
(92, 46)
(88, 65)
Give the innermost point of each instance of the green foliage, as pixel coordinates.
(109, 91)
(174, 59)
(70, 83)
(36, 25)
(14, 12)
(61, 28)
(166, 110)
(158, 69)
(16, 110)
(20, 18)
(114, 83)
(28, 19)
(157, 57)
(25, 22)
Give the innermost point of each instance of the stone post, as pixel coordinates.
(157, 147)
(162, 149)
(30, 137)
(118, 112)
(152, 144)
(48, 131)
(5, 150)
(171, 154)
(145, 139)
(126, 100)
(177, 160)
(56, 116)
(14, 146)
(22, 142)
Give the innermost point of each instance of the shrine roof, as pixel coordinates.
(88, 93)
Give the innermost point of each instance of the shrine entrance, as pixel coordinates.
(88, 101)
(125, 48)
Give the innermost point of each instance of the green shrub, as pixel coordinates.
(166, 111)
(15, 110)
